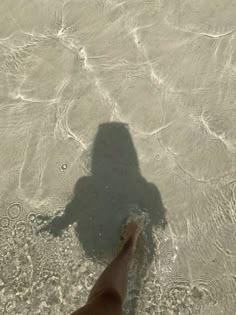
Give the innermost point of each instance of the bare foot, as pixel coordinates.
(132, 229)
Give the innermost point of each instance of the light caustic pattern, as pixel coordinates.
(168, 70)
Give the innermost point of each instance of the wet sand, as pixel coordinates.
(108, 105)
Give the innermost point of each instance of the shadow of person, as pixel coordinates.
(102, 201)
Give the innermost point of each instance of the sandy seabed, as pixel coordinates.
(104, 106)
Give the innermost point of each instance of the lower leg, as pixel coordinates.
(113, 280)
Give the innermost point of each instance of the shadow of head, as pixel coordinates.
(101, 201)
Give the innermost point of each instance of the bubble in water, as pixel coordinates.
(4, 222)
(39, 219)
(64, 167)
(20, 229)
(31, 217)
(14, 210)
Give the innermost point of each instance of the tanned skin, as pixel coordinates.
(109, 292)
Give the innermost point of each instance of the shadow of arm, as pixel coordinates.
(72, 212)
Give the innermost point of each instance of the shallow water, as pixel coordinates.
(106, 104)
